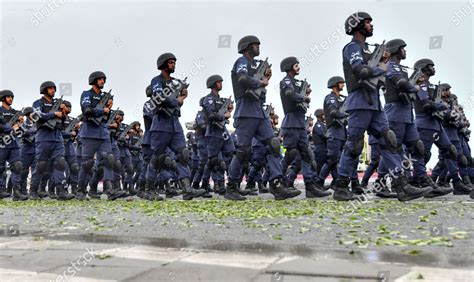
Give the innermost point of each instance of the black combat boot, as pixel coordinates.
(220, 187)
(150, 193)
(63, 194)
(205, 185)
(189, 192)
(4, 194)
(341, 190)
(356, 188)
(381, 189)
(51, 190)
(118, 189)
(280, 192)
(262, 188)
(141, 189)
(313, 191)
(93, 194)
(460, 188)
(17, 195)
(437, 190)
(233, 193)
(467, 181)
(251, 189)
(407, 192)
(170, 188)
(34, 193)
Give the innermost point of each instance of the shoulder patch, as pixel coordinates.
(332, 100)
(424, 88)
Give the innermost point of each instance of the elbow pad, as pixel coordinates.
(403, 84)
(362, 71)
(89, 112)
(242, 79)
(429, 106)
(289, 92)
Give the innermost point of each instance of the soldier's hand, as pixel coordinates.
(181, 99)
(307, 99)
(264, 82)
(227, 115)
(268, 73)
(15, 127)
(113, 125)
(110, 103)
(184, 92)
(383, 66)
(308, 90)
(73, 133)
(106, 110)
(58, 114)
(231, 107)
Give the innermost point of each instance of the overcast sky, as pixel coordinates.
(65, 41)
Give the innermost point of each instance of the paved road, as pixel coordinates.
(322, 235)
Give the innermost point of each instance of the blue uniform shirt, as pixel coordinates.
(89, 129)
(247, 106)
(44, 133)
(161, 120)
(398, 111)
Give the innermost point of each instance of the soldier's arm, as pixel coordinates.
(396, 76)
(87, 108)
(428, 104)
(211, 110)
(159, 93)
(243, 77)
(42, 117)
(353, 53)
(289, 90)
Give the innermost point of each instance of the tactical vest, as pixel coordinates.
(392, 93)
(330, 121)
(239, 91)
(417, 103)
(45, 108)
(290, 105)
(317, 140)
(95, 99)
(352, 81)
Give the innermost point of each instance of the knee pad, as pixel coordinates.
(244, 153)
(291, 154)
(42, 167)
(216, 164)
(417, 147)
(74, 168)
(17, 167)
(452, 152)
(307, 154)
(110, 161)
(274, 145)
(357, 148)
(162, 161)
(130, 169)
(117, 166)
(60, 163)
(184, 156)
(390, 140)
(87, 165)
(462, 160)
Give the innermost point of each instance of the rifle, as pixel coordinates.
(112, 120)
(14, 118)
(104, 99)
(343, 110)
(51, 124)
(373, 82)
(269, 109)
(222, 110)
(438, 114)
(304, 105)
(258, 75)
(125, 131)
(176, 91)
(72, 125)
(139, 143)
(409, 97)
